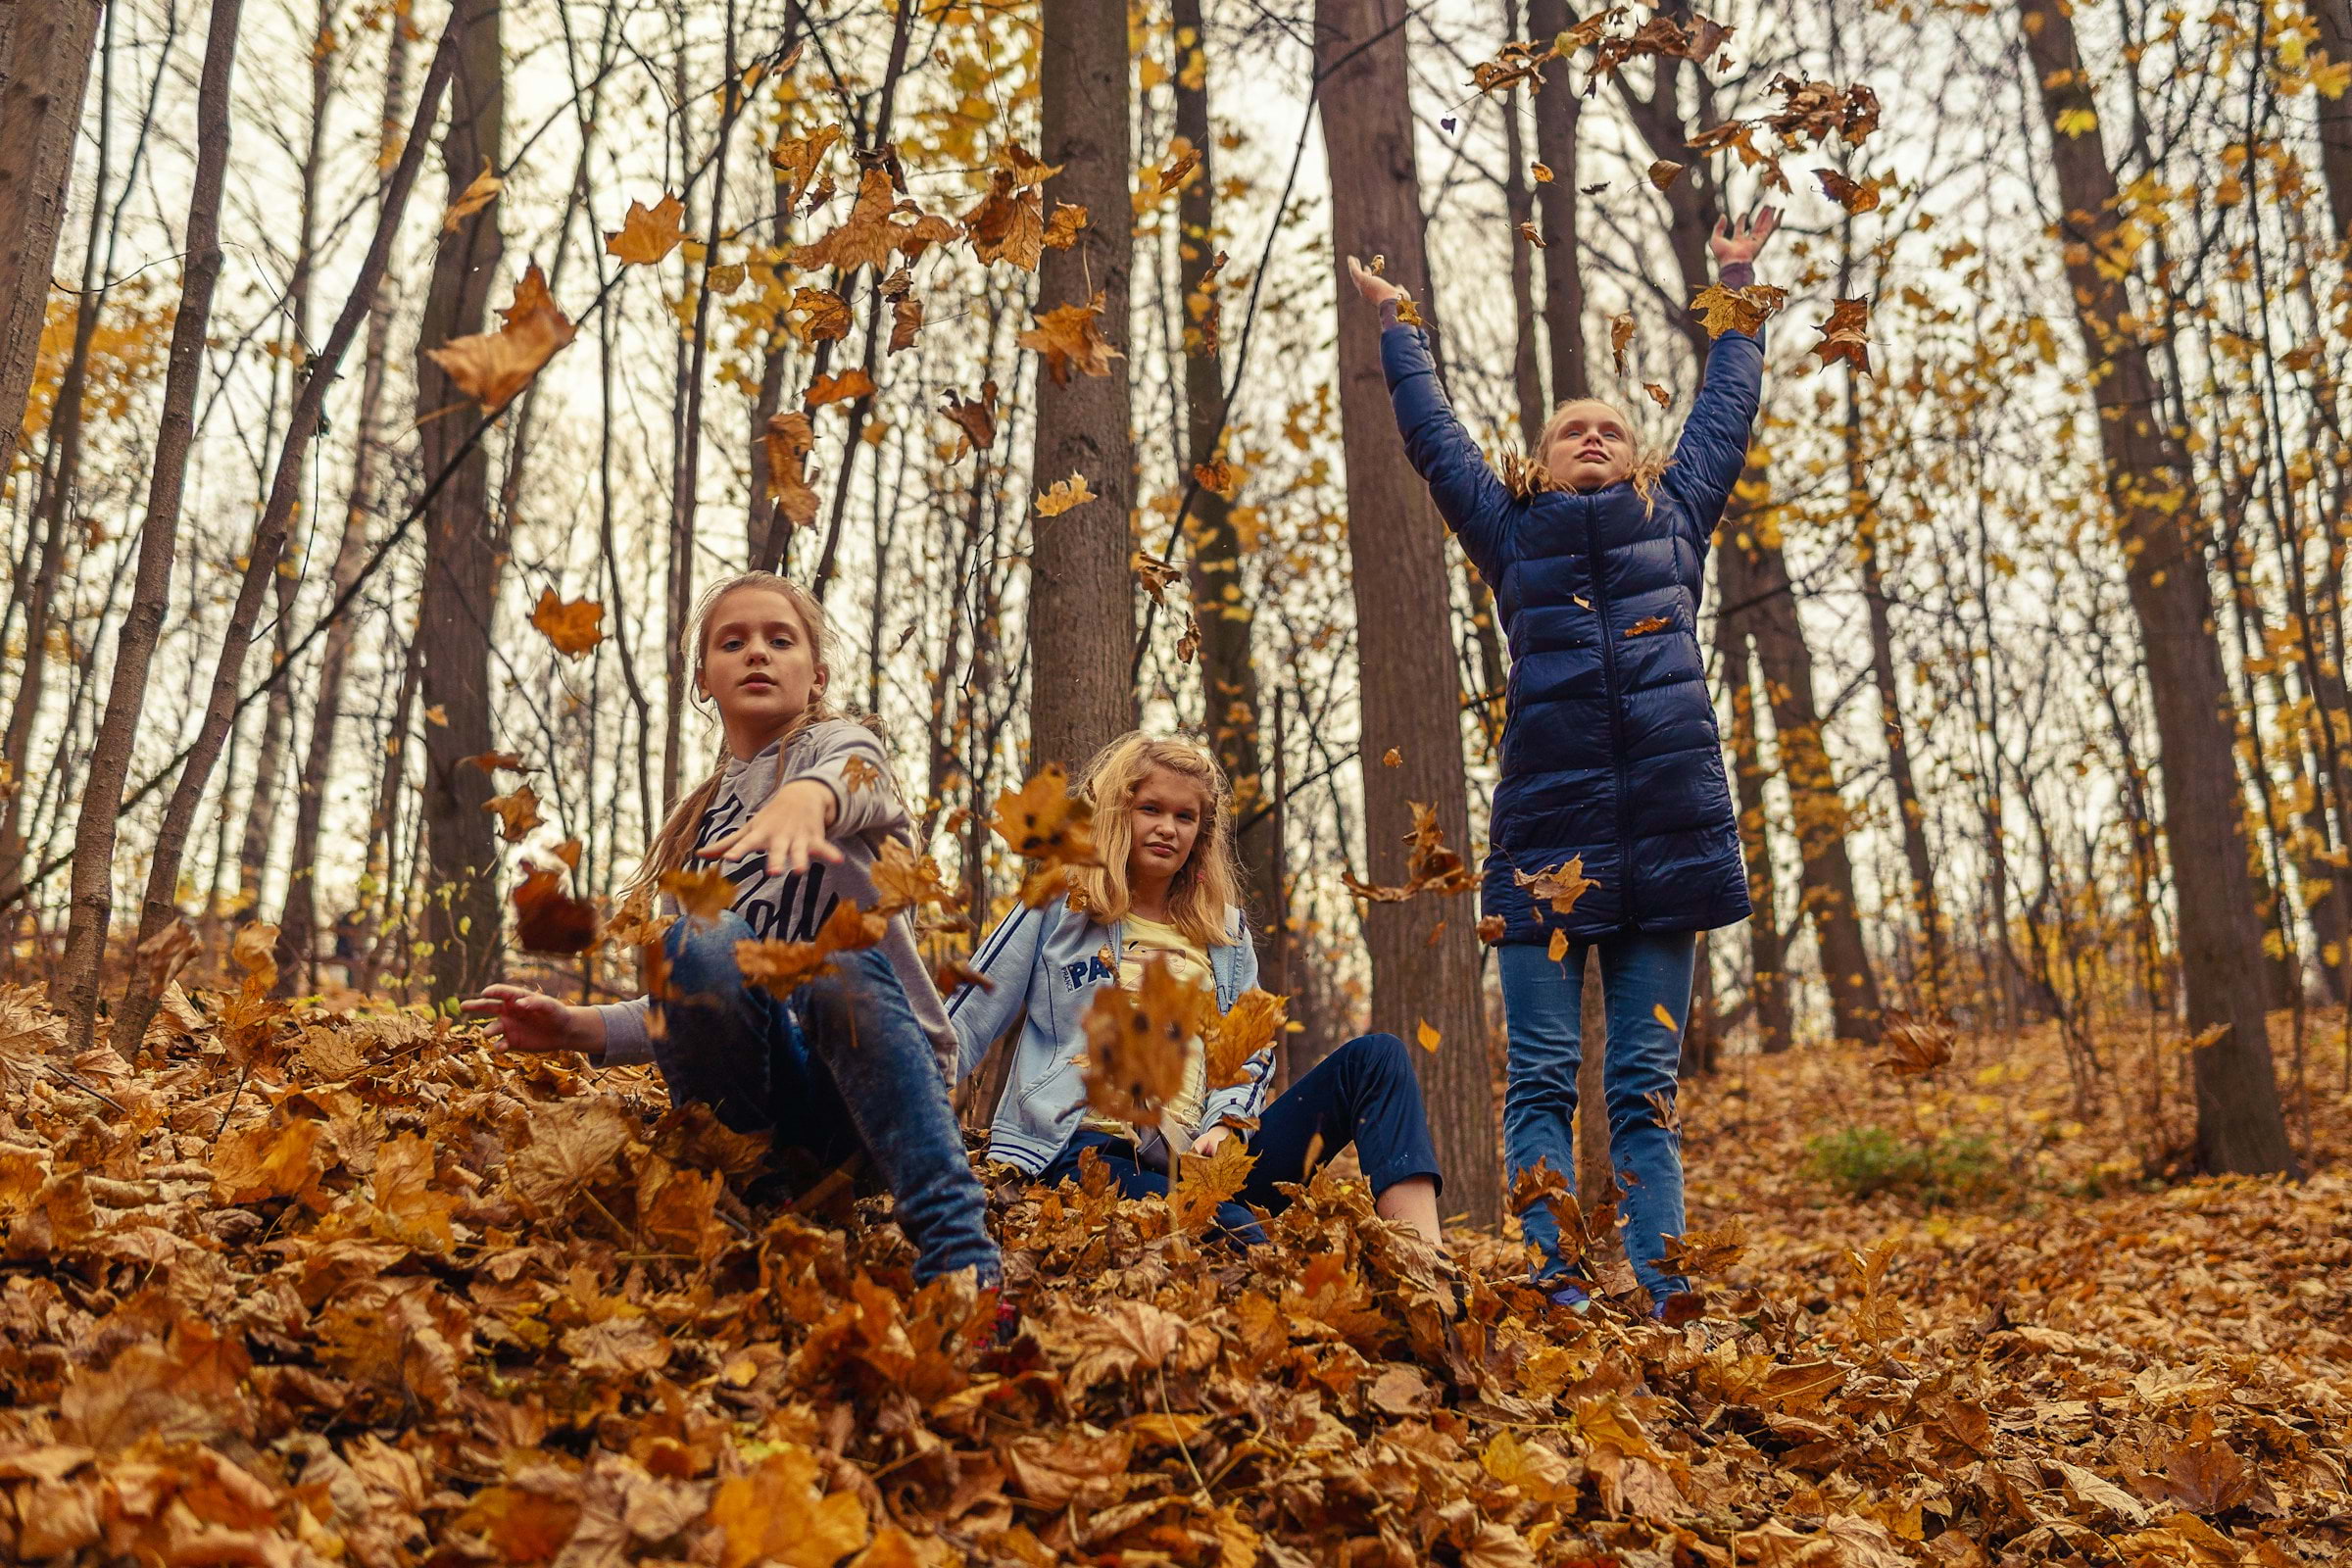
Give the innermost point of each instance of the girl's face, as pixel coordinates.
(758, 664)
(1164, 817)
(1590, 446)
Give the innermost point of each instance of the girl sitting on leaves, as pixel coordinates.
(1166, 894)
(796, 812)
(1612, 823)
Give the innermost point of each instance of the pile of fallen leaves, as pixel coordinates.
(302, 1287)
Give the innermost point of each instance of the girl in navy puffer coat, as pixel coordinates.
(1612, 823)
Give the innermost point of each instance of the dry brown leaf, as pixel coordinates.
(574, 627)
(646, 233)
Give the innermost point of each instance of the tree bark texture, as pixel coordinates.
(1424, 962)
(462, 919)
(1082, 626)
(1556, 110)
(2240, 1126)
(46, 50)
(94, 833)
(1231, 698)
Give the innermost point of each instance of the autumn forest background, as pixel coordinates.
(394, 375)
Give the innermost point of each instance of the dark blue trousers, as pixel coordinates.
(1365, 1093)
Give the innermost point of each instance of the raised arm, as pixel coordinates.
(1713, 448)
(1472, 501)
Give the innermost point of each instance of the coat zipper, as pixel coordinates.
(1608, 667)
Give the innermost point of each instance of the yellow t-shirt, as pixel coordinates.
(1186, 959)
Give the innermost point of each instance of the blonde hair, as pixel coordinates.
(668, 850)
(1648, 466)
(1208, 883)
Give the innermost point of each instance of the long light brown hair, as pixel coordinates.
(1650, 466)
(667, 852)
(1208, 884)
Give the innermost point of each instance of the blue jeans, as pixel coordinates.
(1365, 1093)
(1542, 1006)
(840, 1066)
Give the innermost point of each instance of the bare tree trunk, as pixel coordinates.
(1425, 964)
(299, 926)
(463, 917)
(46, 50)
(1231, 698)
(1082, 629)
(2334, 18)
(1556, 110)
(110, 754)
(286, 487)
(1767, 954)
(1519, 205)
(2240, 1126)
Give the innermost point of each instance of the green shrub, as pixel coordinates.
(1860, 1161)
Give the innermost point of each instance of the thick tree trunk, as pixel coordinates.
(1557, 110)
(1752, 577)
(461, 921)
(1081, 588)
(110, 752)
(2240, 1126)
(45, 49)
(1424, 962)
(1229, 685)
(286, 487)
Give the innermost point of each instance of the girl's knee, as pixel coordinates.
(1377, 1055)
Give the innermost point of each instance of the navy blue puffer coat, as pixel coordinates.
(1609, 749)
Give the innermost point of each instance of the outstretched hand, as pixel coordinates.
(1370, 284)
(789, 831)
(528, 1020)
(1740, 242)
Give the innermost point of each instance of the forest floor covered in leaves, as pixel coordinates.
(289, 1288)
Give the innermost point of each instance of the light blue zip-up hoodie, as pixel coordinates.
(1050, 962)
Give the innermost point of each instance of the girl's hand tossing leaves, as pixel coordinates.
(790, 830)
(528, 1021)
(1740, 242)
(1370, 284)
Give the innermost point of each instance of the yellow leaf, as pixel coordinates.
(1558, 949)
(1137, 1042)
(472, 199)
(2076, 121)
(1063, 495)
(573, 627)
(1427, 1038)
(1658, 1012)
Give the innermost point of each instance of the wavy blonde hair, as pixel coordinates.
(1208, 883)
(667, 852)
(1648, 466)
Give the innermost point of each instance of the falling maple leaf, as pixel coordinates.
(905, 320)
(1040, 822)
(547, 919)
(1562, 883)
(493, 761)
(1219, 477)
(1062, 495)
(518, 813)
(1919, 1045)
(702, 892)
(1392, 758)
(491, 368)
(1658, 394)
(1533, 236)
(1664, 173)
(1069, 339)
(878, 224)
(573, 627)
(790, 437)
(1541, 172)
(1856, 196)
(853, 382)
(1431, 864)
(646, 233)
(801, 157)
(975, 417)
(1063, 228)
(1251, 1026)
(783, 967)
(1621, 336)
(1138, 1042)
(904, 880)
(472, 199)
(1724, 310)
(1845, 336)
(823, 315)
(1491, 928)
(1647, 624)
(1009, 224)
(1185, 158)
(1153, 572)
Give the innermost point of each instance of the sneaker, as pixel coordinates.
(1573, 1298)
